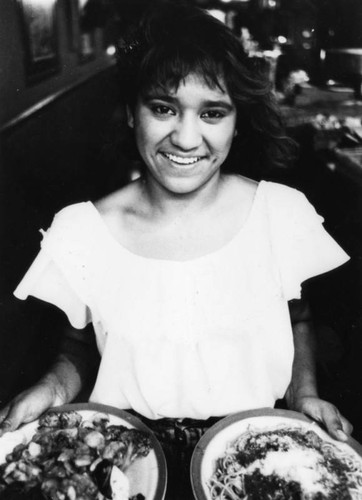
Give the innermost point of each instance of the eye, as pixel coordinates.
(213, 115)
(161, 110)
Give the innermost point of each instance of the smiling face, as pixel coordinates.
(184, 136)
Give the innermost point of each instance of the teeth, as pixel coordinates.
(181, 160)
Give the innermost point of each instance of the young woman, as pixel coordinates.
(191, 275)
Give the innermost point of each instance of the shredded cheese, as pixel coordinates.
(300, 465)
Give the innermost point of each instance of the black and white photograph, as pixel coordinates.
(181, 249)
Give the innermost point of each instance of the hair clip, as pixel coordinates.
(128, 47)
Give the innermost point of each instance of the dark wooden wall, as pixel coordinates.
(55, 157)
(336, 297)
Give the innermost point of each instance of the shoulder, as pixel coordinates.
(240, 190)
(71, 217)
(287, 200)
(289, 209)
(74, 222)
(120, 207)
(243, 184)
(76, 210)
(274, 195)
(121, 201)
(71, 231)
(282, 193)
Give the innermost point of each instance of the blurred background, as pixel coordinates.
(58, 108)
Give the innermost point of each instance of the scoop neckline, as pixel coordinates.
(205, 256)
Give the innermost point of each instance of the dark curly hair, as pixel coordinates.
(169, 42)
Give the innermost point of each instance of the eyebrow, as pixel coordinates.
(210, 103)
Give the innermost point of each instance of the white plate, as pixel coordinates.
(214, 442)
(147, 475)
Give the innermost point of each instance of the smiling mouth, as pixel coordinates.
(181, 160)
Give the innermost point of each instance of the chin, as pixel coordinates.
(188, 184)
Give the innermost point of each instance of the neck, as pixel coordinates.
(163, 202)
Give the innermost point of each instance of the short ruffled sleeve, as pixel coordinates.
(302, 246)
(58, 273)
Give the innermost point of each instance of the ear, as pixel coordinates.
(130, 117)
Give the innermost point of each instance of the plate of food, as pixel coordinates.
(269, 454)
(82, 452)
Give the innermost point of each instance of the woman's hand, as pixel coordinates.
(302, 392)
(75, 366)
(325, 413)
(28, 406)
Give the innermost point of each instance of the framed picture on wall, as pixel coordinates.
(87, 43)
(72, 24)
(38, 21)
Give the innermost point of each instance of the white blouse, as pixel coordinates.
(204, 337)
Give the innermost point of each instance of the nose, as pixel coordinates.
(187, 133)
